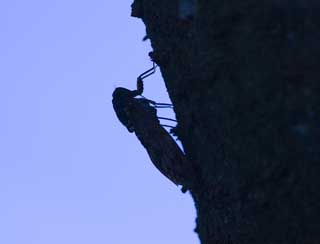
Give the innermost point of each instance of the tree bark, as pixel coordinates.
(244, 79)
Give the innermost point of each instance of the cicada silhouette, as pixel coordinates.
(139, 115)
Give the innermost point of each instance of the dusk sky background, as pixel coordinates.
(69, 171)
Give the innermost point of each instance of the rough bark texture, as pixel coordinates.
(244, 78)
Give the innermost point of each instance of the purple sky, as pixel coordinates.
(69, 171)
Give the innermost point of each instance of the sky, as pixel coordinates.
(69, 171)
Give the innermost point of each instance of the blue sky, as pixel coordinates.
(69, 171)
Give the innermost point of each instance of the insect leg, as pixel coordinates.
(173, 120)
(139, 86)
(163, 107)
(169, 126)
(164, 104)
(148, 72)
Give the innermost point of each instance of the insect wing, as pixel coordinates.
(163, 151)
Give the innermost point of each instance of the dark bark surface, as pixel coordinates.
(244, 78)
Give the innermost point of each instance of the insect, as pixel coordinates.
(124, 98)
(139, 115)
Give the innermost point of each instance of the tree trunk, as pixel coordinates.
(244, 79)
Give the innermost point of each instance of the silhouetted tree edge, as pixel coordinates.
(243, 77)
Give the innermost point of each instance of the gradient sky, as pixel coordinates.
(69, 171)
